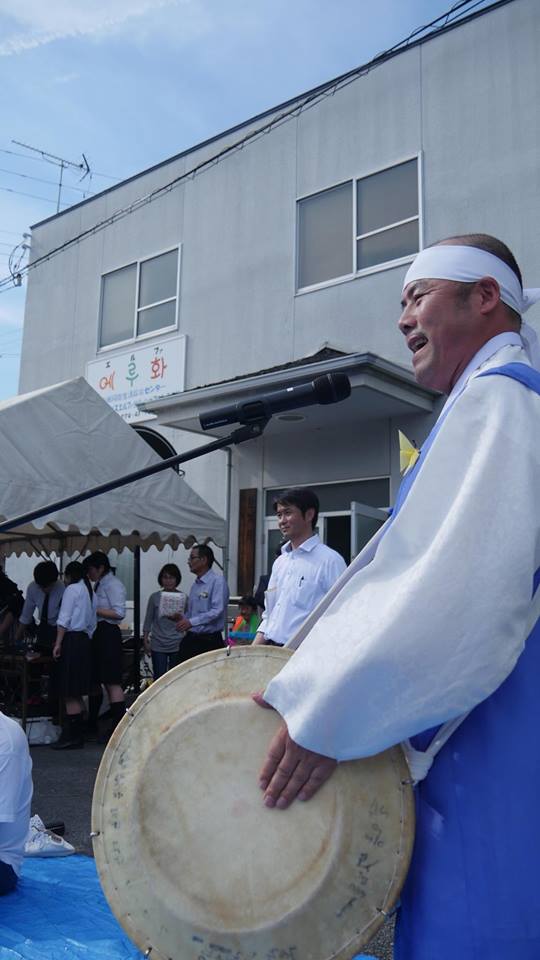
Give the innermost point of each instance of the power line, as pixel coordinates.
(301, 104)
(26, 176)
(60, 162)
(15, 153)
(33, 196)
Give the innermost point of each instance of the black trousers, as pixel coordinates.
(195, 643)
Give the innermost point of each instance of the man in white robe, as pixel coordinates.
(446, 602)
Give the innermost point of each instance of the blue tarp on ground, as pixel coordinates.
(59, 912)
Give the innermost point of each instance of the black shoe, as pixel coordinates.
(68, 744)
(92, 733)
(104, 737)
(117, 711)
(71, 737)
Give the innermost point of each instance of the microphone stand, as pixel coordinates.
(249, 431)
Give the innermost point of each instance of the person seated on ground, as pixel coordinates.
(15, 797)
(11, 604)
(73, 651)
(246, 622)
(161, 638)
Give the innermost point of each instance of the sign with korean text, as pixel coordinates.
(140, 375)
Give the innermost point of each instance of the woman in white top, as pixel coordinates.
(74, 628)
(107, 643)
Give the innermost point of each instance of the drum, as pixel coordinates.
(193, 864)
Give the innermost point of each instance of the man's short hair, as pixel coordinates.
(96, 560)
(205, 552)
(484, 241)
(45, 573)
(302, 497)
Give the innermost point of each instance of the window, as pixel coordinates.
(139, 299)
(325, 228)
(385, 207)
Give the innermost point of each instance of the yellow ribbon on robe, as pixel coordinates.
(408, 453)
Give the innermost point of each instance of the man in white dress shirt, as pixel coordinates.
(304, 572)
(438, 622)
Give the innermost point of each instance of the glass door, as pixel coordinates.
(364, 523)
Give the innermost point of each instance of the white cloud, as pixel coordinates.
(39, 23)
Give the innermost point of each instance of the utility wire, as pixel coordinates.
(33, 196)
(65, 186)
(300, 105)
(26, 156)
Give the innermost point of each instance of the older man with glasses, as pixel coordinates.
(204, 619)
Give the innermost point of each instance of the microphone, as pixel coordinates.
(330, 388)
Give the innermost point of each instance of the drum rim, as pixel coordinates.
(402, 856)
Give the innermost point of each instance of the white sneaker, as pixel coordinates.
(41, 842)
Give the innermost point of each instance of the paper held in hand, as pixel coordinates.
(171, 603)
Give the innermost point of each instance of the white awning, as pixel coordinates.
(65, 439)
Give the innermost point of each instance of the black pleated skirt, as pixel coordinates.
(75, 665)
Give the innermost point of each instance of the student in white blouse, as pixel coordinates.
(74, 628)
(107, 641)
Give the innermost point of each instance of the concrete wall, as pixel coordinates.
(465, 102)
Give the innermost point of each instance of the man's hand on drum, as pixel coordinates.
(290, 771)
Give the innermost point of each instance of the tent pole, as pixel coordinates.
(137, 618)
(228, 451)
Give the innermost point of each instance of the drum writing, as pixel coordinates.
(375, 837)
(377, 809)
(216, 951)
(358, 886)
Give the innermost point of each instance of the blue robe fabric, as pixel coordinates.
(472, 892)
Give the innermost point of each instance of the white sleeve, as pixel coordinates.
(333, 568)
(67, 607)
(115, 595)
(272, 585)
(10, 789)
(436, 621)
(30, 604)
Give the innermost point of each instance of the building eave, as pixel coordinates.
(380, 387)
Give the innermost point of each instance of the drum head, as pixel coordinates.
(193, 864)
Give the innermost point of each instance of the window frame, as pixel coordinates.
(378, 267)
(136, 338)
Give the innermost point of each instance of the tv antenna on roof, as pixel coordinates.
(59, 162)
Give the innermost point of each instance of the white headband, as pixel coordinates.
(467, 265)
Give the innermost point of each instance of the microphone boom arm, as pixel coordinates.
(248, 431)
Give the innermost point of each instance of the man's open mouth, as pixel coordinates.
(416, 343)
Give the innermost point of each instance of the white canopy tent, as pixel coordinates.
(65, 439)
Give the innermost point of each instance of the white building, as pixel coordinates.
(197, 283)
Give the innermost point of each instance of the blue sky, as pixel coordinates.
(132, 82)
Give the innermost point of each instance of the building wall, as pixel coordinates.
(465, 102)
